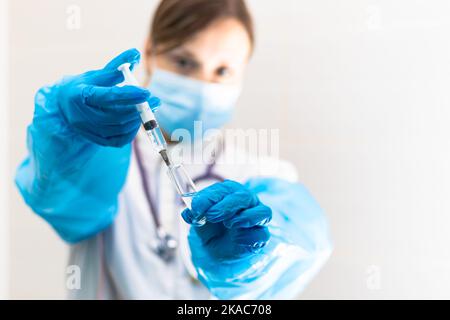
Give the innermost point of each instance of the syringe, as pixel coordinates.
(181, 180)
(147, 117)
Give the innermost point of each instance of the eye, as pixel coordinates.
(223, 72)
(183, 63)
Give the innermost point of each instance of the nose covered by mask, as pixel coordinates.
(185, 100)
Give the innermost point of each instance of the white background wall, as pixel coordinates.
(360, 92)
(4, 147)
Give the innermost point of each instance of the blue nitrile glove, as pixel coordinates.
(236, 221)
(70, 177)
(94, 107)
(283, 264)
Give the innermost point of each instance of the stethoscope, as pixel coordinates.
(165, 245)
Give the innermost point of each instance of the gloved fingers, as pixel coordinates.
(108, 131)
(187, 215)
(110, 76)
(132, 56)
(231, 205)
(103, 78)
(118, 141)
(113, 97)
(211, 195)
(111, 118)
(111, 141)
(206, 234)
(253, 238)
(248, 218)
(154, 103)
(99, 119)
(118, 114)
(106, 135)
(122, 140)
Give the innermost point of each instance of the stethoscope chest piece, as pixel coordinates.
(165, 245)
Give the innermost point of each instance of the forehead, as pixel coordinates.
(223, 42)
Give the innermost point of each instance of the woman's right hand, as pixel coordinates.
(79, 151)
(94, 107)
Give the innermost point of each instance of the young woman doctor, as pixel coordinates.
(96, 181)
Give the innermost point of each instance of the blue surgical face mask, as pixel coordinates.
(185, 100)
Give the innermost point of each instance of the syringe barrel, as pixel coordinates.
(145, 112)
(144, 109)
(157, 139)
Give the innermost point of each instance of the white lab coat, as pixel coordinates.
(119, 262)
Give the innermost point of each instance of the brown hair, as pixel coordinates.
(176, 21)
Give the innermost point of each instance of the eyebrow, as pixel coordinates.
(189, 54)
(185, 52)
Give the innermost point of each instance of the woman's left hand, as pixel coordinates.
(235, 222)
